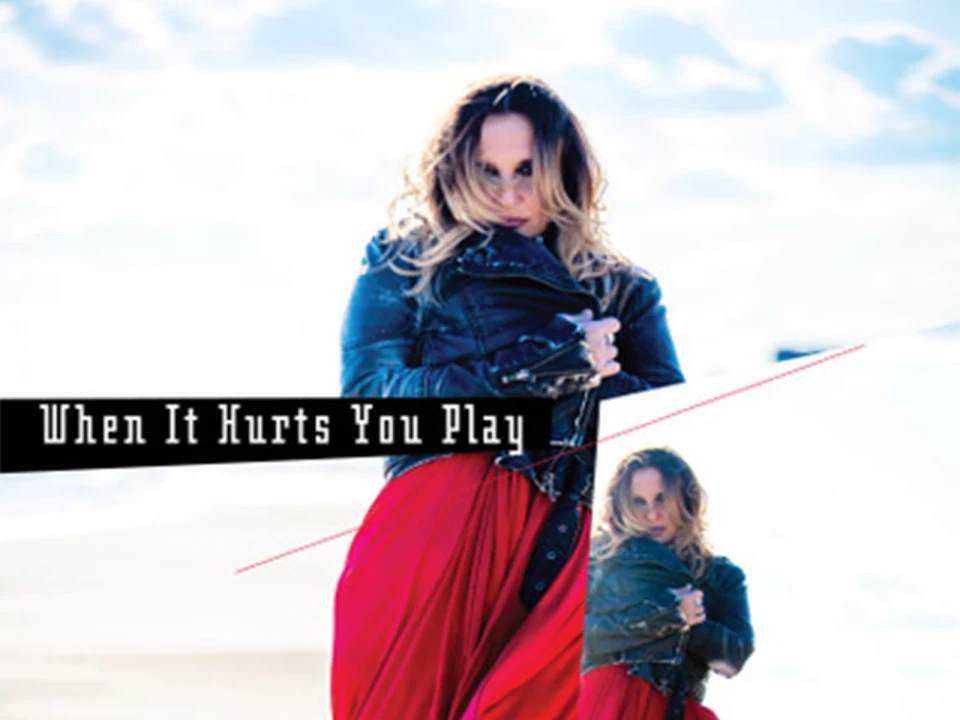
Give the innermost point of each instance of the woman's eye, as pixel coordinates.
(525, 169)
(639, 501)
(490, 171)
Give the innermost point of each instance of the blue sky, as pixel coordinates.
(186, 186)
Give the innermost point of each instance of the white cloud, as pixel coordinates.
(688, 10)
(691, 74)
(823, 98)
(696, 74)
(832, 102)
(923, 77)
(59, 11)
(153, 25)
(143, 20)
(18, 53)
(944, 54)
(641, 73)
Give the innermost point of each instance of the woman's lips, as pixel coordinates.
(513, 221)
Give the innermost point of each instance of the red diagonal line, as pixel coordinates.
(648, 423)
(708, 401)
(296, 550)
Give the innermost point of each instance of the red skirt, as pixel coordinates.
(428, 621)
(610, 693)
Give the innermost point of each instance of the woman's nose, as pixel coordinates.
(508, 196)
(653, 515)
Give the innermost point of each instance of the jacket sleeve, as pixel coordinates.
(380, 339)
(645, 347)
(725, 640)
(645, 622)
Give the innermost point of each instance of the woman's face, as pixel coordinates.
(653, 507)
(506, 166)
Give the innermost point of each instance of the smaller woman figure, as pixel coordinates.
(662, 610)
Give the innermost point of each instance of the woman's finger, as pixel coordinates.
(584, 318)
(602, 354)
(603, 326)
(609, 370)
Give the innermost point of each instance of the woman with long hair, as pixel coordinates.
(463, 590)
(662, 609)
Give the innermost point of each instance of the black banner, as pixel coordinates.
(76, 434)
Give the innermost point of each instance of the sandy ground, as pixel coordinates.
(153, 622)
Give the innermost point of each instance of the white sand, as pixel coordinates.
(153, 622)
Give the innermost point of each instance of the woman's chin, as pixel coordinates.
(528, 228)
(660, 535)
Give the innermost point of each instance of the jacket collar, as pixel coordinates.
(644, 549)
(506, 253)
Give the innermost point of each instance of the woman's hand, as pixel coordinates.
(691, 604)
(600, 339)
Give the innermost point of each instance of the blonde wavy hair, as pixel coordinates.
(687, 502)
(446, 200)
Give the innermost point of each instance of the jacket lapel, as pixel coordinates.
(506, 253)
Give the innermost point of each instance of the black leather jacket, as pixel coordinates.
(496, 332)
(633, 618)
